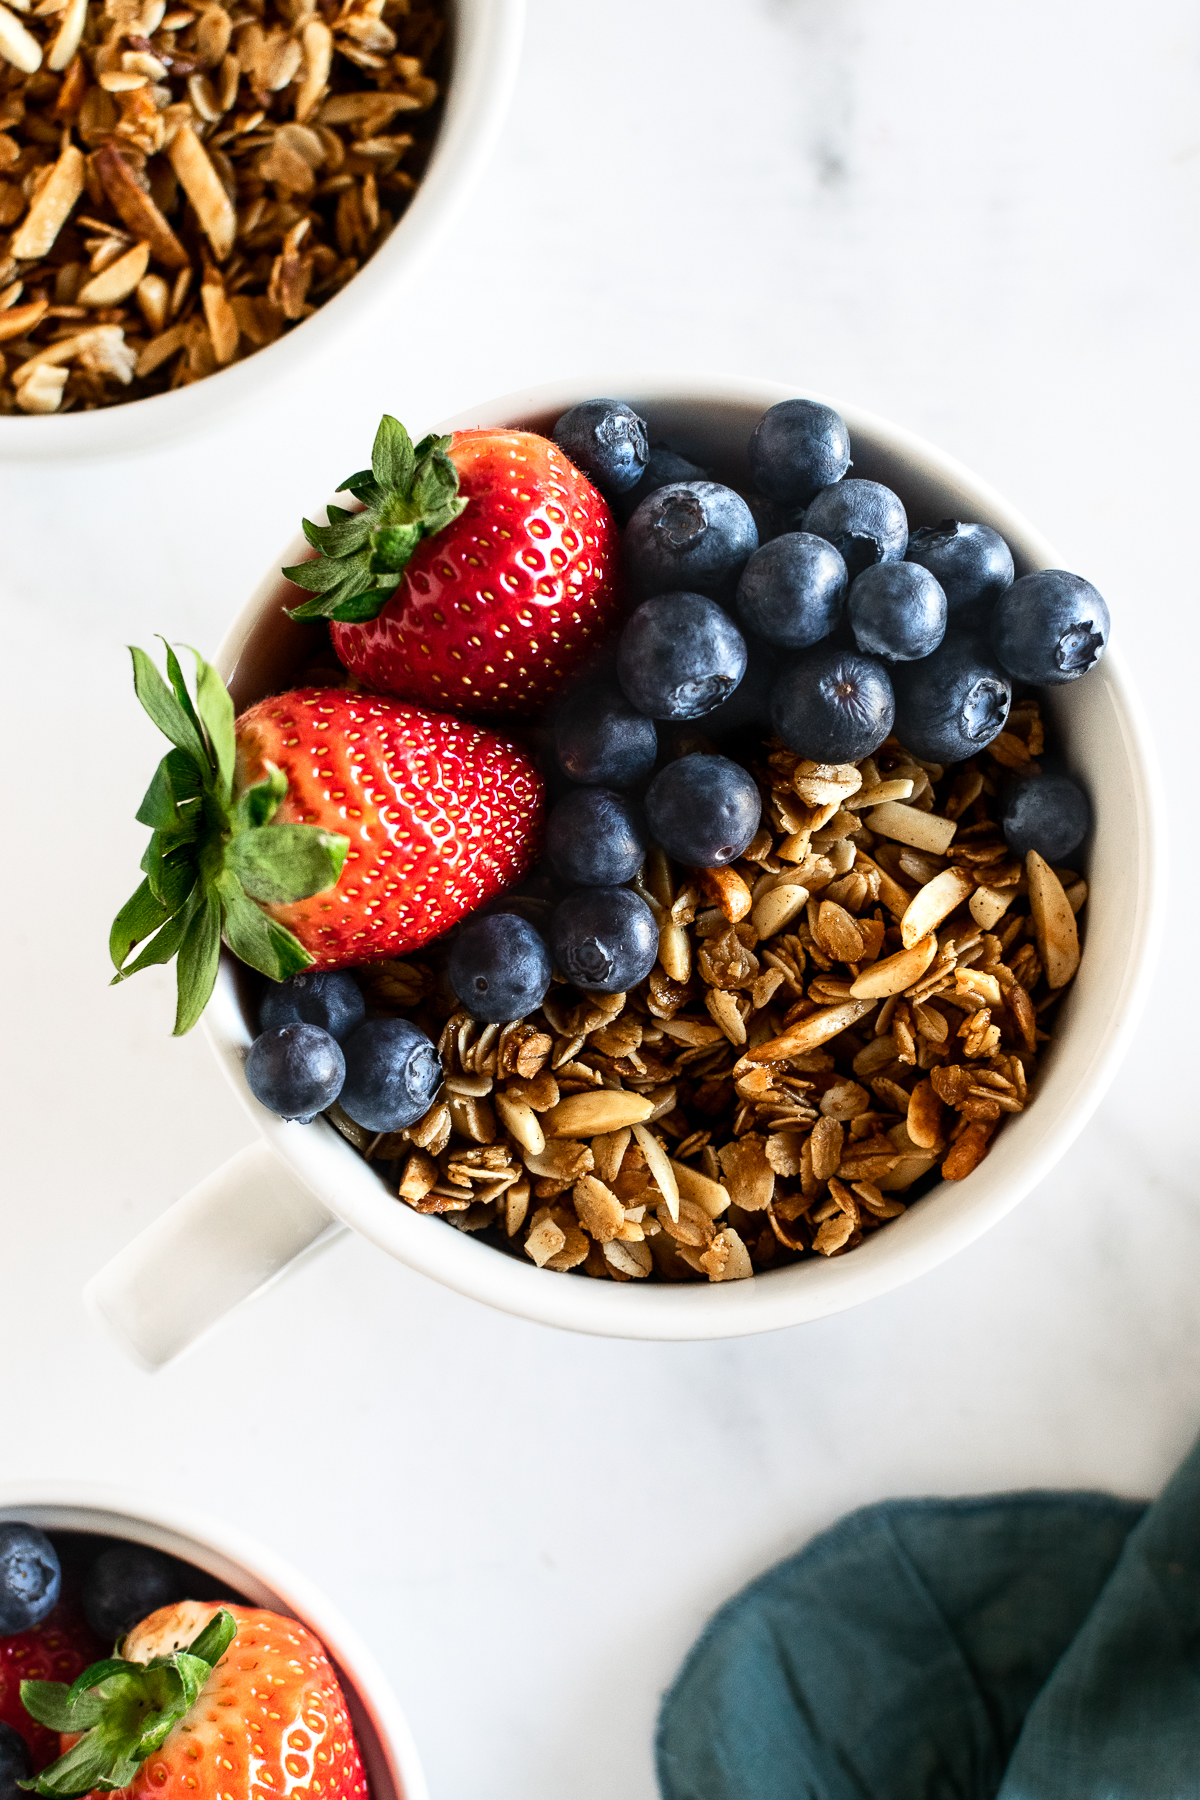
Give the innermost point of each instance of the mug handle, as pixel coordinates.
(226, 1240)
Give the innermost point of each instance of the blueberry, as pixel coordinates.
(750, 702)
(1047, 813)
(792, 589)
(602, 740)
(326, 997)
(693, 535)
(833, 705)
(30, 1577)
(703, 810)
(954, 702)
(663, 466)
(499, 967)
(972, 562)
(296, 1071)
(797, 448)
(604, 939)
(1050, 627)
(607, 440)
(679, 656)
(16, 1763)
(125, 1584)
(595, 838)
(392, 1075)
(865, 521)
(897, 610)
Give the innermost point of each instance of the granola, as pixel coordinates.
(182, 184)
(837, 1019)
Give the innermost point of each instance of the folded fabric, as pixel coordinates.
(1016, 1647)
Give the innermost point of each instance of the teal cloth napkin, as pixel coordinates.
(1016, 1647)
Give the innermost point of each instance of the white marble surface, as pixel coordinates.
(983, 222)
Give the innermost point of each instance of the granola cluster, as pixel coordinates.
(852, 1007)
(181, 184)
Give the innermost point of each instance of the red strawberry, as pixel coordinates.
(324, 828)
(58, 1649)
(269, 1721)
(441, 815)
(483, 572)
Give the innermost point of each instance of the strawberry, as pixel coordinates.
(58, 1649)
(482, 572)
(322, 829)
(206, 1702)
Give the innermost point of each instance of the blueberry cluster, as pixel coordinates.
(122, 1584)
(317, 1046)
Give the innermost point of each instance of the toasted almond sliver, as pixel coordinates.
(727, 1258)
(117, 281)
(675, 951)
(19, 319)
(908, 825)
(52, 207)
(202, 185)
(70, 30)
(160, 348)
(1053, 921)
(875, 796)
(988, 904)
(18, 46)
(317, 40)
(601, 1110)
(600, 1212)
(933, 903)
(723, 1008)
(221, 319)
(693, 1186)
(896, 898)
(43, 390)
(807, 1034)
(136, 209)
(895, 973)
(659, 1165)
(96, 337)
(522, 1121)
(774, 911)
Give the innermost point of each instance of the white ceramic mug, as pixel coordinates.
(298, 1183)
(261, 1578)
(485, 52)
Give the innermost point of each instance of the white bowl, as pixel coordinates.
(1106, 740)
(261, 1578)
(484, 55)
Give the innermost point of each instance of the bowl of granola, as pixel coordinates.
(183, 186)
(860, 1035)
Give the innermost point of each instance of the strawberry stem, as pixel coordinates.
(409, 493)
(214, 859)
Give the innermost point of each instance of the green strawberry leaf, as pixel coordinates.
(125, 1711)
(165, 710)
(259, 804)
(140, 916)
(170, 868)
(408, 494)
(179, 689)
(281, 863)
(259, 941)
(165, 945)
(199, 956)
(176, 784)
(216, 712)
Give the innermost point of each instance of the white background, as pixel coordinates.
(982, 221)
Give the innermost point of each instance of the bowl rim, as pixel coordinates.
(485, 57)
(229, 1553)
(324, 1164)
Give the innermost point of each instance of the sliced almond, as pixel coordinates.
(726, 889)
(70, 31)
(18, 46)
(675, 951)
(908, 825)
(117, 281)
(727, 1258)
(807, 1034)
(989, 904)
(696, 1187)
(895, 897)
(19, 319)
(924, 1121)
(774, 911)
(136, 209)
(52, 207)
(521, 1121)
(1053, 921)
(895, 973)
(588, 1115)
(825, 1147)
(837, 932)
(600, 1212)
(883, 790)
(202, 185)
(659, 1165)
(723, 1008)
(933, 903)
